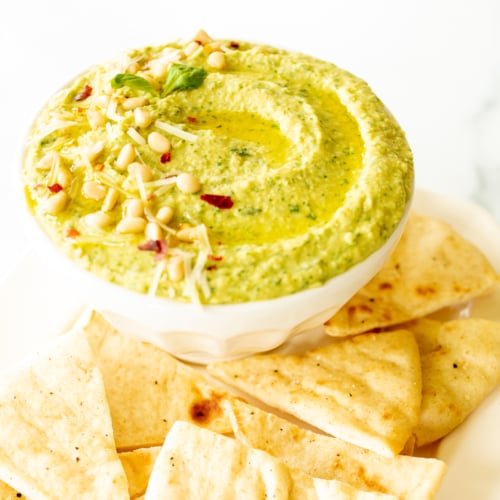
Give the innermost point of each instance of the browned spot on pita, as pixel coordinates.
(205, 410)
(425, 290)
(371, 482)
(385, 286)
(386, 315)
(454, 409)
(460, 289)
(359, 309)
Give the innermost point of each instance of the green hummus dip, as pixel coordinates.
(217, 171)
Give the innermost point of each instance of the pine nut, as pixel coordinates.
(96, 119)
(97, 219)
(216, 60)
(212, 47)
(202, 37)
(93, 190)
(63, 177)
(133, 68)
(175, 268)
(101, 100)
(159, 67)
(165, 214)
(188, 183)
(140, 169)
(159, 143)
(55, 203)
(135, 208)
(92, 152)
(131, 225)
(126, 156)
(110, 200)
(134, 102)
(191, 48)
(143, 118)
(48, 161)
(188, 234)
(153, 231)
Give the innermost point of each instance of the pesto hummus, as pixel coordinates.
(217, 171)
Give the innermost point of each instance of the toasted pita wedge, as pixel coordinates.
(138, 465)
(56, 439)
(460, 367)
(8, 493)
(195, 460)
(432, 267)
(365, 389)
(326, 457)
(148, 390)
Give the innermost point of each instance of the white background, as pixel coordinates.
(435, 63)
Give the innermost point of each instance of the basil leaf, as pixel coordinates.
(182, 77)
(133, 81)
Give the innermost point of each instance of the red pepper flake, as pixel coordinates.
(55, 188)
(98, 167)
(82, 95)
(71, 232)
(159, 247)
(166, 157)
(211, 268)
(218, 200)
(192, 119)
(215, 257)
(79, 109)
(234, 45)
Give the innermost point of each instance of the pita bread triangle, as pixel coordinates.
(56, 439)
(138, 465)
(194, 460)
(431, 267)
(365, 389)
(460, 367)
(8, 493)
(326, 457)
(148, 390)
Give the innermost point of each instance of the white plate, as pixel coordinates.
(38, 302)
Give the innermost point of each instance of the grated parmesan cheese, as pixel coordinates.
(178, 132)
(142, 189)
(111, 112)
(134, 135)
(106, 179)
(53, 126)
(160, 268)
(161, 182)
(197, 274)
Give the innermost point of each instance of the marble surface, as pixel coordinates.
(435, 64)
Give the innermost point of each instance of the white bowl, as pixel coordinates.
(206, 333)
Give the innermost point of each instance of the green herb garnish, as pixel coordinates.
(182, 77)
(179, 77)
(133, 81)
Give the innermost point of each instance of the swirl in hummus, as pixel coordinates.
(217, 171)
